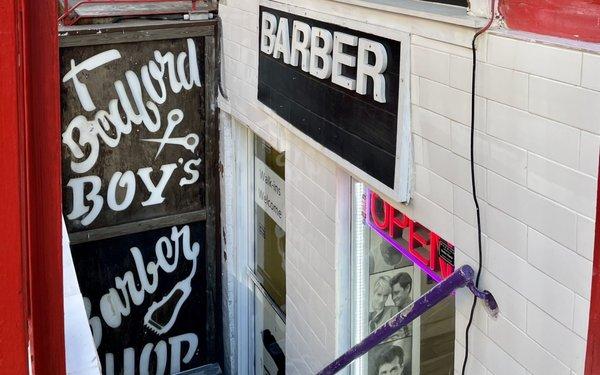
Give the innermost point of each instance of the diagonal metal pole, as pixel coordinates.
(463, 276)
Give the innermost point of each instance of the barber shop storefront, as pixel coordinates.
(317, 246)
(346, 133)
(286, 187)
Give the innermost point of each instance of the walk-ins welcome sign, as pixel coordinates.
(340, 87)
(139, 153)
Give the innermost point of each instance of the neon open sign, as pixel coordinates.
(423, 247)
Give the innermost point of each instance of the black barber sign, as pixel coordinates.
(338, 86)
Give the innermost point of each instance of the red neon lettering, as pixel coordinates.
(434, 241)
(381, 224)
(392, 224)
(416, 237)
(445, 269)
(399, 223)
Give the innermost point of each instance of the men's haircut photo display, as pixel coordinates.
(390, 291)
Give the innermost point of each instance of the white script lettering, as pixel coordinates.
(108, 125)
(161, 354)
(114, 305)
(88, 206)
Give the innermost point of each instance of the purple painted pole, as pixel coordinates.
(463, 276)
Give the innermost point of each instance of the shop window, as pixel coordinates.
(268, 266)
(386, 280)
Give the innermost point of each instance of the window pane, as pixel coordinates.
(385, 282)
(437, 335)
(270, 337)
(269, 220)
(268, 269)
(391, 289)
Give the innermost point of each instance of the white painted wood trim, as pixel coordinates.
(243, 242)
(469, 17)
(376, 21)
(343, 261)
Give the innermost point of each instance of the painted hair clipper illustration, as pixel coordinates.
(161, 315)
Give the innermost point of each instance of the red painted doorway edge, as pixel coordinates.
(13, 299)
(592, 361)
(43, 193)
(31, 322)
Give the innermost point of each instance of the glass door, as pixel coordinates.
(267, 268)
(384, 282)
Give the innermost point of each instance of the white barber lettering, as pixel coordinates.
(321, 53)
(131, 289)
(108, 124)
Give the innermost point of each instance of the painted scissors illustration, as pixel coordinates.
(189, 142)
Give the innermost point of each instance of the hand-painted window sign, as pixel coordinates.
(423, 247)
(141, 293)
(269, 192)
(338, 86)
(133, 131)
(140, 190)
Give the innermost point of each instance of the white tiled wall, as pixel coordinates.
(539, 202)
(537, 140)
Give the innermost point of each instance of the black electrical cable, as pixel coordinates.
(473, 186)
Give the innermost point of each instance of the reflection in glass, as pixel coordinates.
(269, 335)
(269, 220)
(268, 269)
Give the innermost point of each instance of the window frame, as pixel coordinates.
(244, 217)
(474, 16)
(249, 285)
(360, 282)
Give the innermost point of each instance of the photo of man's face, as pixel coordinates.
(400, 295)
(390, 255)
(389, 360)
(401, 286)
(391, 368)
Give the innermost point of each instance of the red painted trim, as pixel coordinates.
(13, 299)
(592, 362)
(573, 19)
(43, 187)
